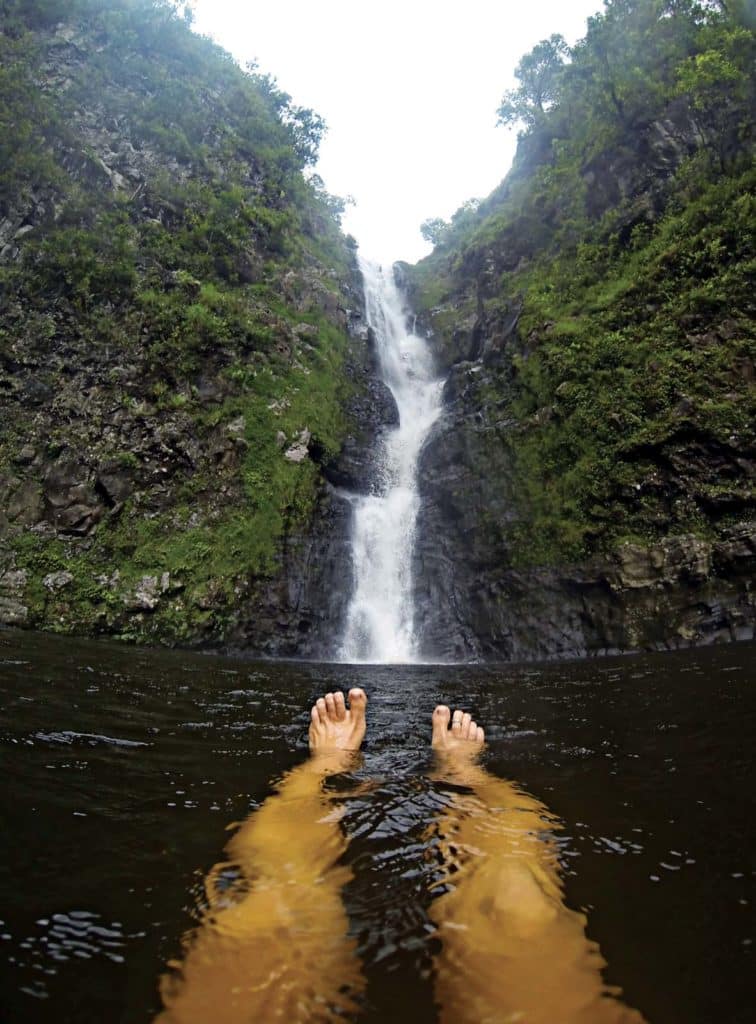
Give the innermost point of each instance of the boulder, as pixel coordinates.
(114, 482)
(77, 519)
(57, 580)
(299, 451)
(146, 595)
(24, 507)
(664, 564)
(13, 610)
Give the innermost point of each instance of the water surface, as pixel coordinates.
(123, 769)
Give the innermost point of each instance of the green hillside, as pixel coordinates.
(607, 287)
(172, 321)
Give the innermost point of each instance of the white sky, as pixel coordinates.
(409, 90)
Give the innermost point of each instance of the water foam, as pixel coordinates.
(381, 625)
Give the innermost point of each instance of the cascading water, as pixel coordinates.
(380, 623)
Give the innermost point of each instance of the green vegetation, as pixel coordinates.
(171, 282)
(622, 244)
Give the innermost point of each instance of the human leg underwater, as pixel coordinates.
(510, 947)
(276, 945)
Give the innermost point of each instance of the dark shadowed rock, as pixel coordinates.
(114, 483)
(372, 410)
(300, 610)
(473, 603)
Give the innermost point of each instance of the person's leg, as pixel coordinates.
(276, 946)
(511, 950)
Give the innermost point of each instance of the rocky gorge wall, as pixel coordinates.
(188, 391)
(591, 486)
(684, 589)
(56, 498)
(185, 377)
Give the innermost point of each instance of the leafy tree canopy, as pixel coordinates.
(538, 74)
(434, 230)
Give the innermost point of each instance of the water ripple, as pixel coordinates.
(90, 738)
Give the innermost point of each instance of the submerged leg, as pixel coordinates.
(276, 945)
(511, 949)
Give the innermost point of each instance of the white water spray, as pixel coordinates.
(380, 622)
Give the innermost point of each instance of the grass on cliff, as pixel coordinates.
(624, 238)
(627, 354)
(224, 528)
(185, 266)
(659, 345)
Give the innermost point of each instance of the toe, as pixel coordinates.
(457, 723)
(480, 736)
(330, 706)
(466, 719)
(338, 699)
(441, 718)
(320, 704)
(315, 715)
(357, 702)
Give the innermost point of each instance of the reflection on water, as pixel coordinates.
(125, 767)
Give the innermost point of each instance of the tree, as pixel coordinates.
(434, 230)
(742, 12)
(336, 205)
(624, 69)
(307, 130)
(539, 74)
(719, 89)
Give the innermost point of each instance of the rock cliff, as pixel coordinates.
(479, 600)
(590, 486)
(188, 392)
(184, 374)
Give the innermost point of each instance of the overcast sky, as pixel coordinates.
(409, 90)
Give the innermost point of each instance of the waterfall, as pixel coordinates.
(380, 624)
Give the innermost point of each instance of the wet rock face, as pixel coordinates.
(371, 410)
(300, 611)
(473, 603)
(355, 467)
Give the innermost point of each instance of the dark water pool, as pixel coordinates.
(123, 769)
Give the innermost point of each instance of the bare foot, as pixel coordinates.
(465, 739)
(333, 726)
